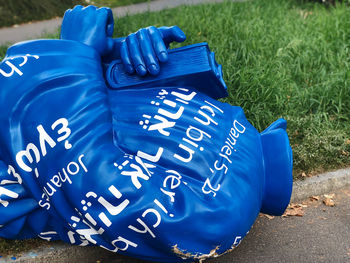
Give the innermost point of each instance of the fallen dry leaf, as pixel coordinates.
(347, 142)
(294, 210)
(304, 14)
(303, 174)
(269, 217)
(329, 196)
(345, 153)
(329, 202)
(314, 198)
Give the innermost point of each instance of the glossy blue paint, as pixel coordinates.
(161, 172)
(192, 66)
(143, 52)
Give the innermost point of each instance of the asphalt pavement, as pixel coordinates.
(311, 231)
(322, 234)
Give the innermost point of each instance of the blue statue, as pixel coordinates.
(149, 164)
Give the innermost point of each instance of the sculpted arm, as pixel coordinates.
(141, 52)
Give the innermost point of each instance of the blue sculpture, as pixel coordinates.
(160, 171)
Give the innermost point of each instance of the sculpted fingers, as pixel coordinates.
(91, 26)
(135, 54)
(107, 19)
(171, 34)
(148, 52)
(125, 56)
(158, 44)
(144, 50)
(74, 9)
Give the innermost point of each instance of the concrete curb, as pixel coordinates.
(39, 29)
(320, 184)
(59, 253)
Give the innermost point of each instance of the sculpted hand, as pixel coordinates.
(141, 51)
(144, 50)
(91, 26)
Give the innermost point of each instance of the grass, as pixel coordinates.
(2, 51)
(22, 11)
(281, 58)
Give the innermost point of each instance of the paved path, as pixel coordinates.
(39, 29)
(321, 235)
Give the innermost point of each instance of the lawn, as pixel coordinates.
(22, 11)
(281, 58)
